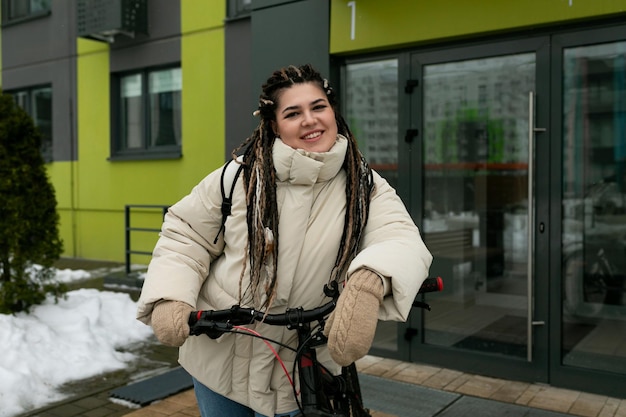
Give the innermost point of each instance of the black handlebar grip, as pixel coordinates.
(431, 285)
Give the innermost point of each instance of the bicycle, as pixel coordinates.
(322, 394)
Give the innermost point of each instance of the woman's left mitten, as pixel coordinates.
(352, 325)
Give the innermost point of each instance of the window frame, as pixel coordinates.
(47, 141)
(147, 151)
(6, 13)
(238, 9)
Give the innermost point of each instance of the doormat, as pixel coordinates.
(507, 336)
(573, 333)
(155, 388)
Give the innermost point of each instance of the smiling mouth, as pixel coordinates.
(313, 135)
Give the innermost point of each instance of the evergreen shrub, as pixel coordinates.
(29, 222)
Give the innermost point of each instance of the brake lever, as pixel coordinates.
(331, 290)
(211, 328)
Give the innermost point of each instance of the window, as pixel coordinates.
(15, 10)
(148, 123)
(238, 8)
(37, 102)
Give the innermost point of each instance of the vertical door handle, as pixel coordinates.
(530, 226)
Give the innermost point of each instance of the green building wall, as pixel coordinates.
(92, 191)
(373, 25)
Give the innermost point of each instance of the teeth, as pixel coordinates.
(313, 135)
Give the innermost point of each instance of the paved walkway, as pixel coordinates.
(391, 388)
(443, 392)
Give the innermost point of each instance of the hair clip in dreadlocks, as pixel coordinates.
(327, 88)
(262, 103)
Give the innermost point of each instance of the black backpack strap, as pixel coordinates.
(230, 173)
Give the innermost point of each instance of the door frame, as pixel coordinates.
(500, 366)
(547, 269)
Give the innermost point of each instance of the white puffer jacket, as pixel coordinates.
(187, 266)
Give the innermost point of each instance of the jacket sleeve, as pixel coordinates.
(185, 249)
(392, 247)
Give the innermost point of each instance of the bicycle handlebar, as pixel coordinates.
(215, 322)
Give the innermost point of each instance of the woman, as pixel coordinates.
(307, 210)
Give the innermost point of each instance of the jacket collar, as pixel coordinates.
(300, 167)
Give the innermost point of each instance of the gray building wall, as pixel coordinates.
(239, 89)
(160, 46)
(277, 33)
(289, 33)
(49, 60)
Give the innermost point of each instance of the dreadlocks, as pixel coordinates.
(260, 185)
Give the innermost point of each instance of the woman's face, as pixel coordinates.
(305, 118)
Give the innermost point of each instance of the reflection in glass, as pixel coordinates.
(165, 107)
(42, 116)
(131, 112)
(594, 207)
(475, 121)
(17, 9)
(371, 111)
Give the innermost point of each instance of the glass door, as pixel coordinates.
(370, 99)
(511, 156)
(478, 127)
(593, 219)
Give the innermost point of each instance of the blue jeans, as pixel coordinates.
(212, 404)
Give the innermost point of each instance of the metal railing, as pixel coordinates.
(129, 229)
